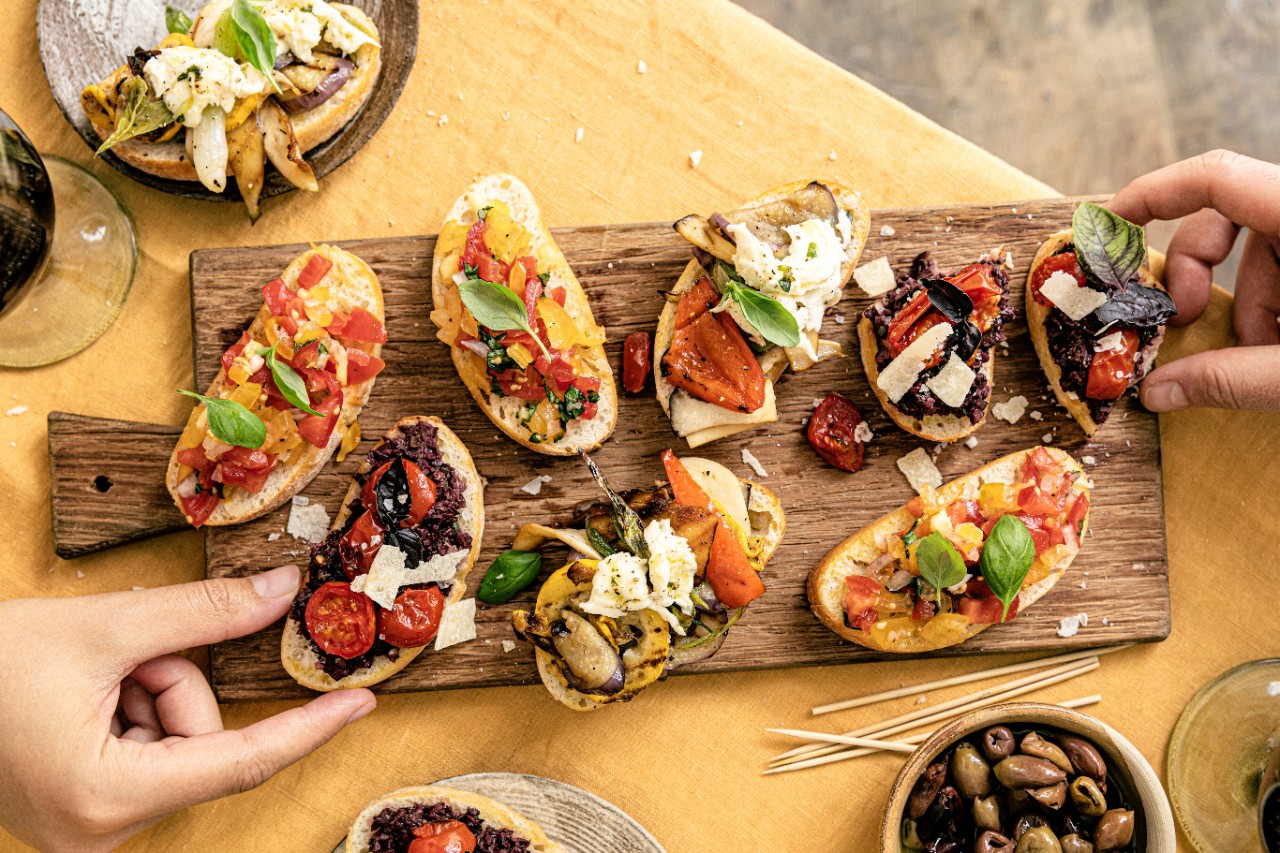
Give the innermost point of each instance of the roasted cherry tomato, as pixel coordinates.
(1111, 371)
(422, 491)
(978, 281)
(1064, 262)
(635, 362)
(904, 321)
(860, 601)
(414, 620)
(833, 433)
(710, 359)
(341, 620)
(695, 302)
(317, 266)
(443, 836)
(360, 544)
(982, 607)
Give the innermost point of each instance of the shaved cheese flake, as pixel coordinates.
(875, 278)
(971, 442)
(508, 646)
(901, 373)
(534, 486)
(1109, 343)
(919, 469)
(1069, 626)
(457, 624)
(863, 433)
(1075, 301)
(952, 383)
(749, 459)
(307, 521)
(1010, 410)
(388, 573)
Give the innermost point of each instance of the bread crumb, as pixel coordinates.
(444, 119)
(695, 157)
(749, 458)
(1035, 416)
(920, 700)
(832, 156)
(862, 432)
(1088, 460)
(887, 231)
(641, 68)
(839, 318)
(79, 575)
(272, 537)
(1047, 438)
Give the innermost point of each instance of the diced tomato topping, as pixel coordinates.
(923, 609)
(981, 606)
(1076, 516)
(589, 410)
(245, 467)
(860, 601)
(963, 511)
(359, 325)
(1050, 484)
(915, 506)
(200, 506)
(318, 430)
(194, 457)
(1110, 372)
(477, 254)
(1064, 262)
(317, 267)
(559, 294)
(306, 356)
(284, 305)
(525, 384)
(361, 367)
(233, 351)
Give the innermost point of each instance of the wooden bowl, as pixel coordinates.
(1154, 820)
(83, 41)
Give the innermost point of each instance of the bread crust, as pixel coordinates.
(1036, 316)
(580, 435)
(491, 811)
(311, 127)
(826, 584)
(860, 225)
(284, 482)
(296, 653)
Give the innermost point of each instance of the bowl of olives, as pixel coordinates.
(1027, 778)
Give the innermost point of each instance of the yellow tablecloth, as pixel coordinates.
(516, 80)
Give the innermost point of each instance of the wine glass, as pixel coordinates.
(1217, 753)
(63, 277)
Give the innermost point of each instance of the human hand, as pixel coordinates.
(1219, 193)
(106, 730)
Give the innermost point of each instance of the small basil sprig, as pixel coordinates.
(242, 29)
(497, 307)
(766, 315)
(940, 563)
(1006, 558)
(176, 20)
(292, 386)
(1110, 249)
(510, 573)
(231, 423)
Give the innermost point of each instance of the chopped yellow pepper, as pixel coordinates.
(562, 332)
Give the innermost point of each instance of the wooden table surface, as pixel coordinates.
(516, 81)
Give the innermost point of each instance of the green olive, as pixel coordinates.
(1114, 830)
(1038, 840)
(1087, 797)
(1025, 771)
(993, 842)
(1075, 844)
(911, 835)
(1037, 746)
(970, 772)
(986, 813)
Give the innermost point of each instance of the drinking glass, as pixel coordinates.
(64, 273)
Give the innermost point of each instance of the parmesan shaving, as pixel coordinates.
(875, 278)
(919, 469)
(749, 459)
(900, 374)
(457, 624)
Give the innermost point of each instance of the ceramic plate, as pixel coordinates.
(572, 817)
(81, 42)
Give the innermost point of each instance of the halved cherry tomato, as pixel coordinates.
(711, 360)
(422, 491)
(860, 601)
(1111, 372)
(982, 607)
(978, 281)
(732, 577)
(317, 266)
(359, 325)
(902, 323)
(635, 362)
(832, 433)
(360, 544)
(1063, 262)
(341, 620)
(443, 836)
(361, 367)
(246, 468)
(414, 620)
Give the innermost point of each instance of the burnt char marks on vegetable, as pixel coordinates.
(392, 829)
(438, 533)
(138, 60)
(919, 401)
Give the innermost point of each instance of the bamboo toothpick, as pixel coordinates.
(885, 745)
(914, 690)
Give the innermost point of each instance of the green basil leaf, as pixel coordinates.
(496, 306)
(1006, 558)
(224, 36)
(176, 20)
(625, 521)
(1110, 249)
(510, 573)
(766, 315)
(292, 386)
(139, 113)
(940, 563)
(597, 540)
(254, 37)
(231, 423)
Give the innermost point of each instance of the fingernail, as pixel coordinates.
(362, 711)
(276, 583)
(1165, 397)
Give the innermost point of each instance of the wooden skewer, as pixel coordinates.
(948, 710)
(1039, 678)
(885, 745)
(913, 739)
(1039, 663)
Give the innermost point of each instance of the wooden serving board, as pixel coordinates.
(1119, 578)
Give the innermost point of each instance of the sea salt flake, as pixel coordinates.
(887, 231)
(695, 157)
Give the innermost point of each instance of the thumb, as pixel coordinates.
(1237, 378)
(193, 770)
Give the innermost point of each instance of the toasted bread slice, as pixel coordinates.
(1036, 316)
(708, 421)
(491, 811)
(168, 159)
(352, 283)
(767, 522)
(827, 587)
(296, 651)
(448, 308)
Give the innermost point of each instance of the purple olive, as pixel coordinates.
(997, 743)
